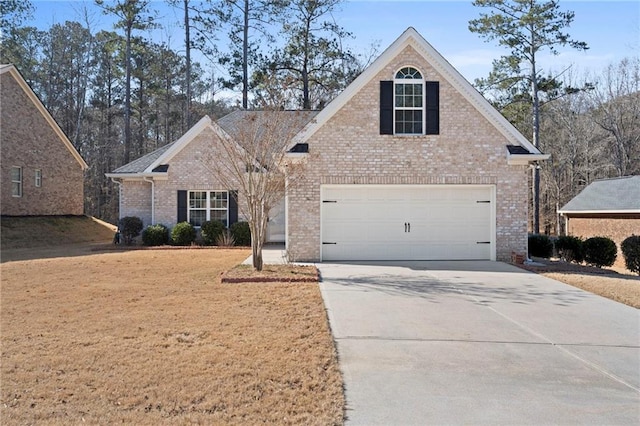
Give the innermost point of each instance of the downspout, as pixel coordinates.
(119, 183)
(153, 203)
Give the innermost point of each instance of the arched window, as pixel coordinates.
(408, 102)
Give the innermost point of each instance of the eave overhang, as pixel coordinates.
(137, 176)
(525, 159)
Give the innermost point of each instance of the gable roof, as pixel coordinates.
(617, 195)
(227, 127)
(13, 72)
(412, 38)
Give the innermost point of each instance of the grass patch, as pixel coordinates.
(152, 337)
(271, 273)
(619, 286)
(51, 231)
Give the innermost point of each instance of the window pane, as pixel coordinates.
(197, 200)
(197, 217)
(218, 199)
(16, 174)
(220, 215)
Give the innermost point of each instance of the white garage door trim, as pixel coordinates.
(413, 249)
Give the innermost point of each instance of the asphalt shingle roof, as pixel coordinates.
(618, 194)
(139, 165)
(230, 123)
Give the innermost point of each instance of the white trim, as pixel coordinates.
(137, 176)
(153, 199)
(208, 208)
(525, 159)
(11, 69)
(631, 211)
(38, 178)
(423, 109)
(412, 38)
(20, 182)
(180, 143)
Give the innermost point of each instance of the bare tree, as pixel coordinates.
(616, 105)
(255, 160)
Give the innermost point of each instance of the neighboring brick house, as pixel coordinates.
(605, 208)
(177, 182)
(42, 173)
(408, 162)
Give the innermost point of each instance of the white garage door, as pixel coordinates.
(408, 222)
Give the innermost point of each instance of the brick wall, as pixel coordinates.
(29, 142)
(618, 229)
(191, 169)
(348, 149)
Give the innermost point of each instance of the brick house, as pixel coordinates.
(411, 162)
(42, 173)
(605, 208)
(177, 183)
(408, 162)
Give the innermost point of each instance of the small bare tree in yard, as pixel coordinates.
(254, 161)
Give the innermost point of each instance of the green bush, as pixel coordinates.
(155, 235)
(183, 234)
(570, 248)
(600, 251)
(130, 227)
(211, 230)
(540, 245)
(631, 252)
(241, 233)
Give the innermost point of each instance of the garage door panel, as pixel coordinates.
(367, 222)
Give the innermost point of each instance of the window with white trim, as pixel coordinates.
(408, 102)
(38, 181)
(208, 205)
(16, 181)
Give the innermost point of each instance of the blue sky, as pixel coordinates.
(610, 28)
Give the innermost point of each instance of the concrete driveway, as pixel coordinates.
(479, 343)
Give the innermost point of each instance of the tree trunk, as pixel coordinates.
(187, 42)
(245, 58)
(536, 139)
(127, 97)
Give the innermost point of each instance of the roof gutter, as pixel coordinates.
(138, 176)
(566, 212)
(525, 159)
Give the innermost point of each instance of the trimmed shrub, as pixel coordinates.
(570, 248)
(183, 234)
(155, 235)
(211, 230)
(130, 227)
(540, 245)
(600, 251)
(631, 252)
(241, 233)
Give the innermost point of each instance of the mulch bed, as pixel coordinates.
(272, 274)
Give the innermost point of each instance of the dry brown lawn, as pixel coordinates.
(615, 284)
(153, 337)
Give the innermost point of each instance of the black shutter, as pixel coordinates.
(386, 107)
(182, 206)
(233, 207)
(432, 126)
